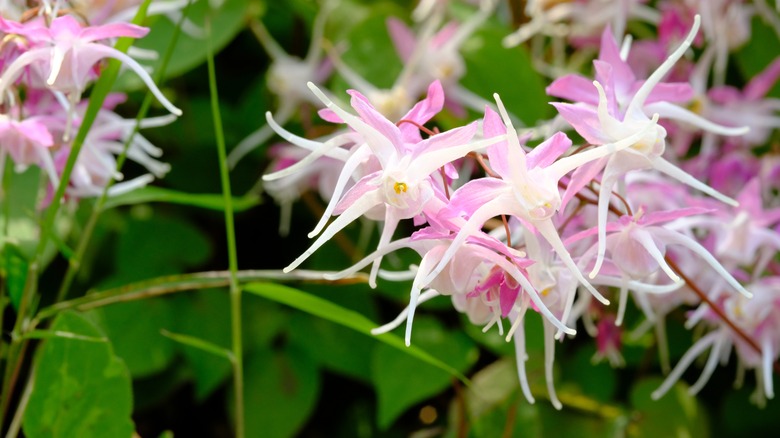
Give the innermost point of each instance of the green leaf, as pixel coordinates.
(199, 343)
(153, 392)
(206, 315)
(134, 330)
(81, 388)
(574, 424)
(20, 203)
(497, 344)
(759, 52)
(594, 380)
(190, 50)
(49, 334)
(19, 223)
(740, 416)
(675, 414)
(336, 347)
(201, 200)
(263, 321)
(368, 42)
(140, 253)
(491, 387)
(15, 269)
(327, 310)
(402, 381)
(514, 78)
(281, 391)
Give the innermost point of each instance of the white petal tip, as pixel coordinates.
(288, 269)
(557, 405)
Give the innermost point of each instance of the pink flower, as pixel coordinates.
(64, 55)
(403, 185)
(526, 187)
(26, 141)
(608, 123)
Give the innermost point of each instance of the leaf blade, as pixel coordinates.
(348, 318)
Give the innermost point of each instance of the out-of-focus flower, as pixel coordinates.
(63, 55)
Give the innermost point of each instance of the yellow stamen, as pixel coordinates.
(696, 106)
(400, 187)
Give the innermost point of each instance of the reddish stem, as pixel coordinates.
(419, 126)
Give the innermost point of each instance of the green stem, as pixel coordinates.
(18, 342)
(5, 297)
(97, 209)
(179, 283)
(235, 291)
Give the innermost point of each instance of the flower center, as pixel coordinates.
(400, 187)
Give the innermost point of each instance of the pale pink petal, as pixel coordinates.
(666, 216)
(548, 151)
(453, 137)
(669, 92)
(760, 85)
(475, 193)
(606, 77)
(575, 88)
(581, 177)
(64, 25)
(365, 185)
(443, 36)
(584, 120)
(375, 119)
(403, 38)
(36, 132)
(113, 30)
(498, 154)
(329, 116)
(423, 111)
(610, 53)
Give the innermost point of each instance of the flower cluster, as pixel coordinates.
(613, 206)
(49, 55)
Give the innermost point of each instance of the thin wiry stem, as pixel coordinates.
(235, 291)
